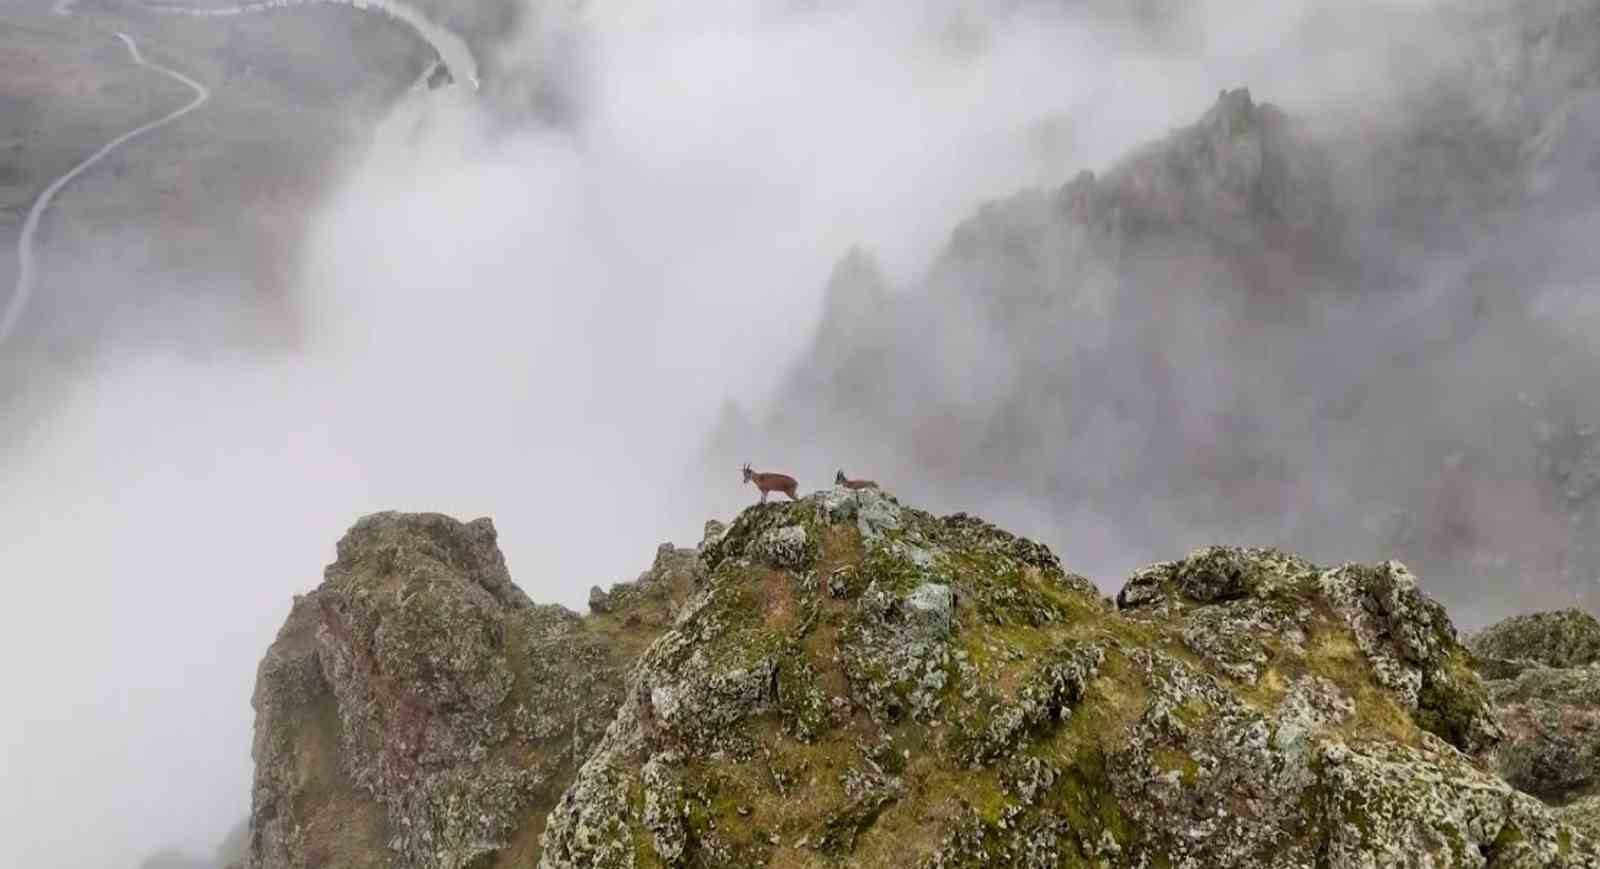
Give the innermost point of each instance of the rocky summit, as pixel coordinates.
(848, 681)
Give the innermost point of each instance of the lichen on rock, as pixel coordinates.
(419, 710)
(1239, 606)
(1544, 679)
(1565, 638)
(846, 680)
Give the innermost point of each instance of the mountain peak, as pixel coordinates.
(846, 679)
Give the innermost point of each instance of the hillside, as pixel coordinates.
(846, 680)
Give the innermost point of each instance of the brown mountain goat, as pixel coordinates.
(771, 483)
(840, 479)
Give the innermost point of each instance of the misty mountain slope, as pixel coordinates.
(231, 854)
(1338, 334)
(846, 680)
(187, 238)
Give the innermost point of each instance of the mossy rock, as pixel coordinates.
(1564, 638)
(846, 680)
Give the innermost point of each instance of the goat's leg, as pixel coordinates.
(790, 493)
(763, 497)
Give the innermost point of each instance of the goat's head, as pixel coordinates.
(839, 478)
(747, 472)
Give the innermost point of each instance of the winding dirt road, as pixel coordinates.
(450, 47)
(25, 262)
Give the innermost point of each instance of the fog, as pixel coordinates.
(542, 318)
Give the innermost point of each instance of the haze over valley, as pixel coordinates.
(1126, 278)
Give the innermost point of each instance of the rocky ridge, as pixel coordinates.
(1101, 337)
(846, 680)
(417, 709)
(1544, 676)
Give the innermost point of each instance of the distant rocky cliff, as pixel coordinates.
(846, 680)
(1353, 332)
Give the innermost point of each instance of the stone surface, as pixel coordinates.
(1566, 638)
(846, 680)
(418, 710)
(1544, 679)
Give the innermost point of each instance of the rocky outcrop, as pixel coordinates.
(846, 680)
(1544, 677)
(1239, 172)
(1565, 638)
(1248, 597)
(418, 710)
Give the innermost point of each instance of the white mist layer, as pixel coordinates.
(537, 327)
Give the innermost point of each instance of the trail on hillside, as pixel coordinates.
(450, 47)
(23, 290)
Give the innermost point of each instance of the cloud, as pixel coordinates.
(539, 320)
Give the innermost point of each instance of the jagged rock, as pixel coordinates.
(1544, 674)
(1582, 814)
(1236, 605)
(1566, 638)
(1552, 720)
(672, 577)
(929, 609)
(418, 710)
(897, 689)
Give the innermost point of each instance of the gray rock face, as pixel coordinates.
(1552, 717)
(1231, 600)
(851, 681)
(418, 710)
(929, 608)
(1566, 638)
(1544, 674)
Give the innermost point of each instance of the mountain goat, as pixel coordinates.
(840, 479)
(768, 483)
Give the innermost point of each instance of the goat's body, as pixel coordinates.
(848, 483)
(769, 483)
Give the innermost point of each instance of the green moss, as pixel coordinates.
(1084, 796)
(840, 552)
(1453, 702)
(1564, 638)
(743, 535)
(1504, 850)
(983, 793)
(1192, 711)
(645, 855)
(802, 704)
(890, 571)
(1169, 758)
(1079, 749)
(842, 828)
